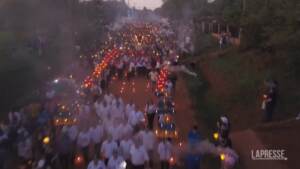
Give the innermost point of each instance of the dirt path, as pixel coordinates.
(138, 92)
(184, 117)
(244, 143)
(135, 90)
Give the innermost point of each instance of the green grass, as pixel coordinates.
(207, 110)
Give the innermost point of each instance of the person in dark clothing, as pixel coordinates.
(270, 101)
(103, 84)
(223, 125)
(150, 111)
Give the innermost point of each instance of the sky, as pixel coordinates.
(149, 4)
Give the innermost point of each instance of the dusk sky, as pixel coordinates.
(150, 4)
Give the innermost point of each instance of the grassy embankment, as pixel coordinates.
(231, 82)
(240, 76)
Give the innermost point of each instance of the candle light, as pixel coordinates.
(222, 156)
(46, 140)
(216, 136)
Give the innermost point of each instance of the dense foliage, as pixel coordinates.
(269, 49)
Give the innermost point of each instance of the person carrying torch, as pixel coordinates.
(165, 151)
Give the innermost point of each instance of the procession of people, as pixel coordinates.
(95, 128)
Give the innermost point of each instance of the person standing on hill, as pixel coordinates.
(270, 100)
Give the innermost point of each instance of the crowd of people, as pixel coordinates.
(108, 133)
(116, 136)
(105, 132)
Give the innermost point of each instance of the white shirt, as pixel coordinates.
(138, 155)
(117, 112)
(135, 117)
(96, 134)
(114, 163)
(87, 109)
(169, 86)
(153, 76)
(102, 111)
(83, 139)
(148, 139)
(99, 110)
(108, 98)
(130, 108)
(164, 150)
(73, 132)
(150, 109)
(131, 66)
(108, 147)
(125, 148)
(25, 148)
(127, 130)
(99, 165)
(115, 131)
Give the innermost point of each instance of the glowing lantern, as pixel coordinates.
(216, 136)
(222, 157)
(265, 96)
(79, 160)
(46, 140)
(172, 161)
(168, 119)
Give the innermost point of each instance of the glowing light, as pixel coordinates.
(216, 136)
(123, 165)
(156, 132)
(168, 119)
(78, 159)
(176, 133)
(55, 80)
(46, 140)
(222, 157)
(88, 82)
(172, 160)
